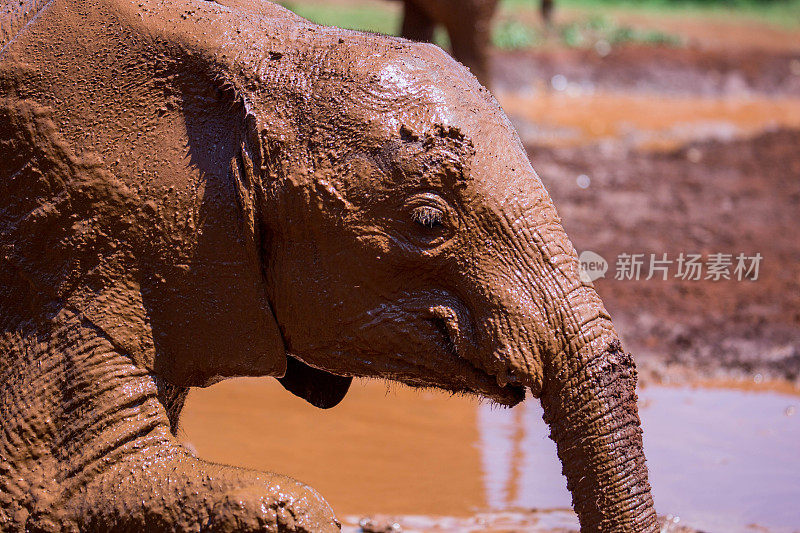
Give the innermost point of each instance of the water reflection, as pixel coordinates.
(722, 460)
(519, 460)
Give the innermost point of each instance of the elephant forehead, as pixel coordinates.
(502, 179)
(418, 86)
(419, 90)
(409, 92)
(391, 98)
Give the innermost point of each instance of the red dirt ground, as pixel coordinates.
(693, 150)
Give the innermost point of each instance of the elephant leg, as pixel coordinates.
(417, 25)
(546, 10)
(163, 488)
(470, 36)
(106, 458)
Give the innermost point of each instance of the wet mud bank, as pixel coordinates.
(528, 521)
(676, 71)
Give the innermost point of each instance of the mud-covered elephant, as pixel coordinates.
(194, 190)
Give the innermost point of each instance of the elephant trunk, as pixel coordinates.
(589, 401)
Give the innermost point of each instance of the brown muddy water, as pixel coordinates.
(722, 460)
(565, 113)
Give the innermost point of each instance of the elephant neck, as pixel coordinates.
(71, 404)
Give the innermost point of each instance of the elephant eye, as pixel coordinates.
(428, 219)
(427, 216)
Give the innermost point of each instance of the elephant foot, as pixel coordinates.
(171, 490)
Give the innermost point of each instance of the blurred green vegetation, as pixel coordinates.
(374, 15)
(598, 30)
(780, 12)
(377, 16)
(591, 22)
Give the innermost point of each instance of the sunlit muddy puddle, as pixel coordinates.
(721, 460)
(571, 115)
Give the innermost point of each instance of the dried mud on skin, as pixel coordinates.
(706, 197)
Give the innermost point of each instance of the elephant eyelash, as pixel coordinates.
(427, 216)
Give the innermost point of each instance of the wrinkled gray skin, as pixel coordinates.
(193, 190)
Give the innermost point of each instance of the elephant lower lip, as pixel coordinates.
(481, 384)
(485, 384)
(318, 387)
(509, 395)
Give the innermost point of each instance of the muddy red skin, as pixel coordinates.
(197, 190)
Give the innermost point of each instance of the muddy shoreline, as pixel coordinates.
(533, 520)
(661, 70)
(741, 197)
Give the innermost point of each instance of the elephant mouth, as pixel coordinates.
(469, 377)
(422, 342)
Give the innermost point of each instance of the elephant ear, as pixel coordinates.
(171, 273)
(211, 317)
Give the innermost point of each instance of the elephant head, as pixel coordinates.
(236, 191)
(416, 233)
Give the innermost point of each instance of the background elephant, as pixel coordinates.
(468, 24)
(196, 190)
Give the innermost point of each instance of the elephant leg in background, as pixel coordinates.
(468, 24)
(546, 10)
(471, 34)
(417, 24)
